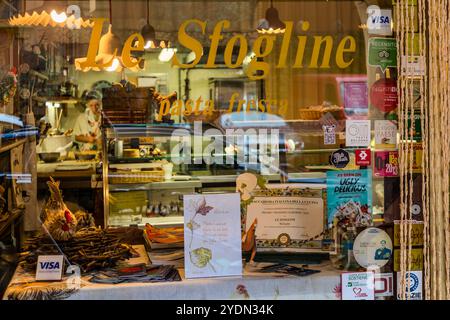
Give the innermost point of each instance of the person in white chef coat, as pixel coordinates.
(86, 131)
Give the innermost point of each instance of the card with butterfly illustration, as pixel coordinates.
(212, 235)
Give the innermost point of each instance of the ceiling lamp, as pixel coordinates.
(54, 19)
(109, 46)
(58, 17)
(272, 23)
(109, 50)
(149, 35)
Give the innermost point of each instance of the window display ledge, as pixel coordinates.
(319, 286)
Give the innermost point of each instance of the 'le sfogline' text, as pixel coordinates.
(262, 48)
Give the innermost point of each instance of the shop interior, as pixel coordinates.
(124, 145)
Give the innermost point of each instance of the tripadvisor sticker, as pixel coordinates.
(383, 53)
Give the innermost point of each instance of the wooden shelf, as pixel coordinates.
(8, 146)
(62, 100)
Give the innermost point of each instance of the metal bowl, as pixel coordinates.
(84, 156)
(49, 156)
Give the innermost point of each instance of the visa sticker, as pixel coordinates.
(49, 267)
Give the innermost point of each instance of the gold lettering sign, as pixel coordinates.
(236, 104)
(262, 47)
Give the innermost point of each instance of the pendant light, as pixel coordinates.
(58, 14)
(109, 51)
(272, 24)
(58, 17)
(148, 32)
(52, 19)
(110, 44)
(149, 35)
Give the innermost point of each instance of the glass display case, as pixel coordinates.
(147, 168)
(141, 185)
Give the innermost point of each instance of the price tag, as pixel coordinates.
(49, 268)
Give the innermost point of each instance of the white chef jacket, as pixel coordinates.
(85, 125)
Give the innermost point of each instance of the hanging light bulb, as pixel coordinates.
(167, 54)
(58, 18)
(108, 57)
(53, 19)
(272, 24)
(109, 48)
(148, 33)
(115, 64)
(149, 44)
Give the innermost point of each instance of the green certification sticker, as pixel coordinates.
(383, 53)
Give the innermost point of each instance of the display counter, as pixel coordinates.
(252, 285)
(72, 173)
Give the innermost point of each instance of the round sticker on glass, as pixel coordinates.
(372, 247)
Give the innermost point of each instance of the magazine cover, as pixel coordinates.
(349, 196)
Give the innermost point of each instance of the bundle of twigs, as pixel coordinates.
(90, 249)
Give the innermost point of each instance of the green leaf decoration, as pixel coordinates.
(200, 257)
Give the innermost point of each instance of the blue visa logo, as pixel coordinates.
(50, 265)
(381, 19)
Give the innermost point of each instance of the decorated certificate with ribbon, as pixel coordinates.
(212, 235)
(290, 218)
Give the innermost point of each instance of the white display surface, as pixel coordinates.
(320, 286)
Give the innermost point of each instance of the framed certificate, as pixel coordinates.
(290, 218)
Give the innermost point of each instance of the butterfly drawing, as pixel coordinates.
(202, 208)
(199, 207)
